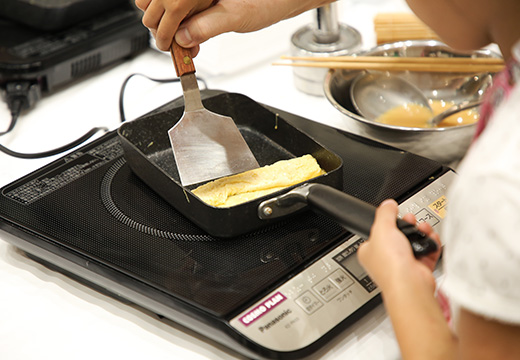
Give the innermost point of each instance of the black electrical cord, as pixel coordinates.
(21, 96)
(16, 109)
(56, 151)
(163, 81)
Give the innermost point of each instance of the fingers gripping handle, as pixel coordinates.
(182, 59)
(357, 216)
(421, 244)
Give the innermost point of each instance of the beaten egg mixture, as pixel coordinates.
(414, 115)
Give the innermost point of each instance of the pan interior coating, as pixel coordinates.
(236, 189)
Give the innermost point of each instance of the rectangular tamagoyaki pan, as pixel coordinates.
(148, 152)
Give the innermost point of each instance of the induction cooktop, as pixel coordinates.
(282, 291)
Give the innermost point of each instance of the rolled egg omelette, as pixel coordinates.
(236, 189)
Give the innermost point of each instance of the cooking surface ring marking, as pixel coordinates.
(113, 209)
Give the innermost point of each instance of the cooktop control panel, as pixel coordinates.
(313, 302)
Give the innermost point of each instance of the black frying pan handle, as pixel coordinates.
(357, 216)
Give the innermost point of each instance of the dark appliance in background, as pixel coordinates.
(52, 15)
(46, 44)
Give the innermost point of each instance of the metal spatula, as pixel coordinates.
(206, 145)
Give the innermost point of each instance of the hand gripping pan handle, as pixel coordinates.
(353, 214)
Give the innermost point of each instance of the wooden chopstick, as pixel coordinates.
(400, 59)
(388, 63)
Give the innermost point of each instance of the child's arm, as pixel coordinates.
(481, 338)
(408, 287)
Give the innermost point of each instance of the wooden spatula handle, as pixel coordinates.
(182, 59)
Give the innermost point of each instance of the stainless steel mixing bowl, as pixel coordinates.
(446, 145)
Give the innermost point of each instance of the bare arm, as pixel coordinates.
(204, 19)
(419, 324)
(481, 338)
(408, 288)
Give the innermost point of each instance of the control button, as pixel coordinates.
(425, 199)
(439, 206)
(326, 289)
(341, 279)
(309, 302)
(426, 216)
(412, 207)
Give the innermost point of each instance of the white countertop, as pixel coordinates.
(44, 314)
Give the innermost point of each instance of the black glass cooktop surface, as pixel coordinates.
(90, 207)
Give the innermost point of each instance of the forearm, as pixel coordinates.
(240, 16)
(408, 287)
(296, 7)
(252, 15)
(204, 19)
(418, 321)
